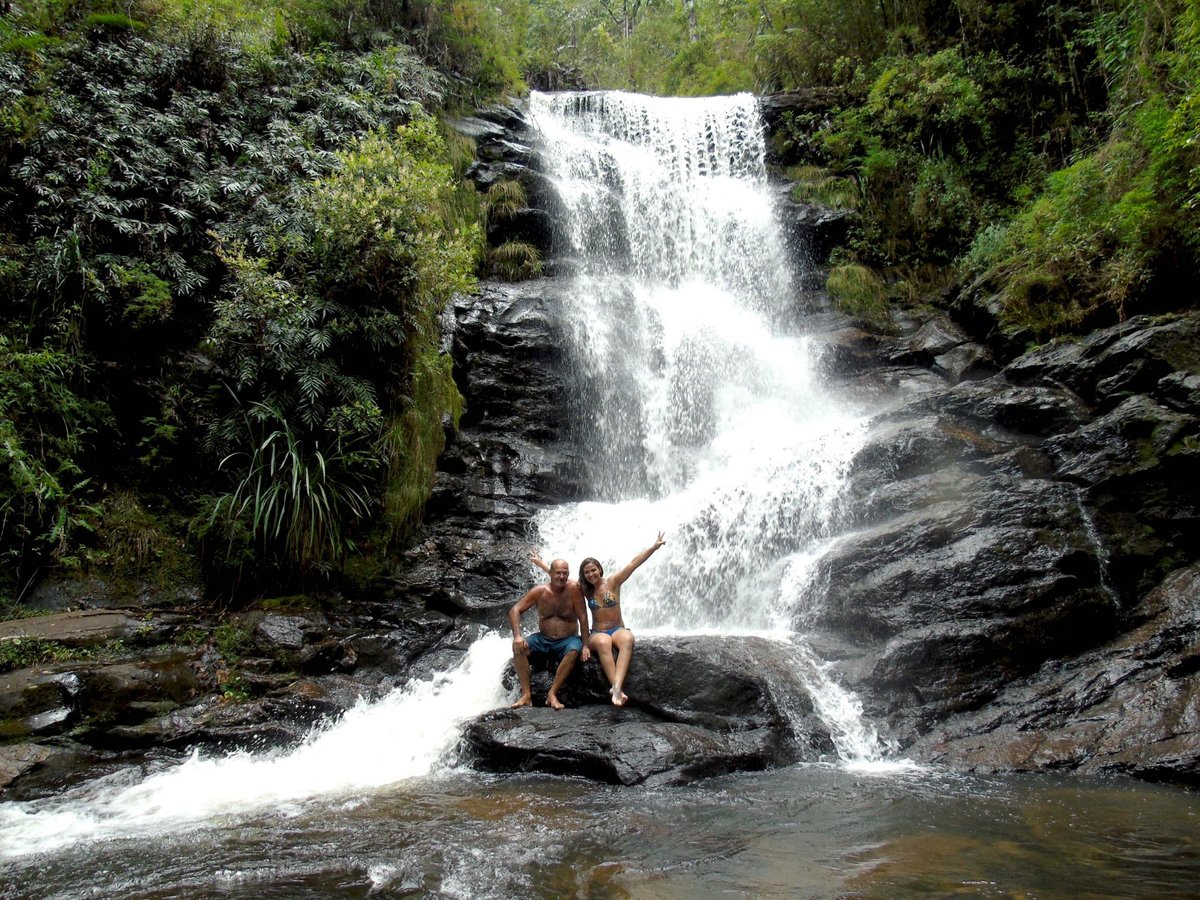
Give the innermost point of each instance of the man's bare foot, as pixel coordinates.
(619, 697)
(554, 702)
(523, 700)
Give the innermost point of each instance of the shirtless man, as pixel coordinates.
(560, 608)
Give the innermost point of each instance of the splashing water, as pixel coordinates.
(407, 734)
(703, 409)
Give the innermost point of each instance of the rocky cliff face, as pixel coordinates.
(1016, 531)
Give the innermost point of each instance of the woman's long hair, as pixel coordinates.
(589, 589)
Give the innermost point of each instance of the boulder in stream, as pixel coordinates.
(699, 706)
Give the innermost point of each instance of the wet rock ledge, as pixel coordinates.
(699, 706)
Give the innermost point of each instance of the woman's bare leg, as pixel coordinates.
(601, 645)
(623, 641)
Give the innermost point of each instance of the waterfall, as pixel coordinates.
(703, 415)
(701, 406)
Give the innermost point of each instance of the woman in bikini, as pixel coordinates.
(611, 641)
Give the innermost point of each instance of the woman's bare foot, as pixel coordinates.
(554, 702)
(619, 697)
(523, 700)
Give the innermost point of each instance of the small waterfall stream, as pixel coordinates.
(410, 733)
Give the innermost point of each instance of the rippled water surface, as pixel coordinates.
(802, 832)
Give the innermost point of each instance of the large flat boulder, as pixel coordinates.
(699, 706)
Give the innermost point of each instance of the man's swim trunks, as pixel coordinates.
(543, 649)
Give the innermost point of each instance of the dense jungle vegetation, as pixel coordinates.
(229, 228)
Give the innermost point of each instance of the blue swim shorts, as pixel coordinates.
(542, 648)
(610, 631)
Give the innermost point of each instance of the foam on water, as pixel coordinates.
(409, 733)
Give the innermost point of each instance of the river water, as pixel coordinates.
(810, 831)
(704, 415)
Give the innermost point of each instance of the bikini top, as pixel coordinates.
(610, 599)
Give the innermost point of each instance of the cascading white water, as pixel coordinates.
(704, 412)
(407, 734)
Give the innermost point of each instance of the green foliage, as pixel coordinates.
(811, 42)
(192, 636)
(133, 541)
(297, 498)
(232, 640)
(514, 261)
(228, 219)
(20, 653)
(112, 22)
(860, 291)
(504, 199)
(45, 429)
(817, 185)
(1123, 219)
(415, 437)
(332, 343)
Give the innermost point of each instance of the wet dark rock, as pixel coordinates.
(331, 655)
(17, 759)
(447, 653)
(513, 455)
(615, 746)
(121, 693)
(46, 768)
(276, 633)
(391, 652)
(813, 230)
(1008, 525)
(1130, 706)
(979, 309)
(1109, 366)
(74, 629)
(284, 718)
(939, 642)
(94, 592)
(773, 107)
(699, 706)
(281, 632)
(850, 350)
(26, 693)
(93, 696)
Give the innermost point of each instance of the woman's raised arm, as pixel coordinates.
(619, 577)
